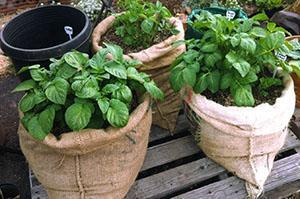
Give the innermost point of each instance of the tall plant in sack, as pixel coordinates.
(148, 33)
(234, 82)
(85, 124)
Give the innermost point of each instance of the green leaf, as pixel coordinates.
(135, 75)
(267, 82)
(57, 91)
(65, 71)
(76, 59)
(271, 26)
(235, 40)
(209, 48)
(201, 84)
(248, 44)
(46, 119)
(89, 89)
(98, 61)
(78, 116)
(117, 114)
(212, 59)
(154, 91)
(27, 102)
(176, 79)
(190, 56)
(241, 65)
(103, 104)
(275, 40)
(249, 78)
(116, 69)
(110, 88)
(242, 95)
(35, 129)
(147, 26)
(213, 81)
(189, 76)
(226, 81)
(25, 86)
(259, 32)
(26, 118)
(260, 17)
(295, 64)
(123, 93)
(115, 50)
(38, 74)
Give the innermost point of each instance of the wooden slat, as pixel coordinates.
(170, 181)
(170, 151)
(158, 133)
(285, 171)
(284, 191)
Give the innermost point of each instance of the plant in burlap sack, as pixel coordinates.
(247, 64)
(233, 56)
(147, 33)
(142, 21)
(78, 92)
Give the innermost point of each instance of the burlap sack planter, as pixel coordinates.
(92, 163)
(156, 61)
(244, 140)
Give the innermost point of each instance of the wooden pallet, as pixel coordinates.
(176, 168)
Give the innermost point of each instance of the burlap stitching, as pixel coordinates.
(78, 177)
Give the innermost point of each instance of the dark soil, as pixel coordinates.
(111, 37)
(225, 99)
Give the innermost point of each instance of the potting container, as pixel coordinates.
(244, 140)
(91, 163)
(35, 36)
(192, 33)
(156, 62)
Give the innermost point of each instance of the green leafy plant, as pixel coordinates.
(142, 21)
(78, 92)
(266, 4)
(235, 56)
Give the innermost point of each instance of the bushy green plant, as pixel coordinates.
(78, 92)
(235, 56)
(141, 22)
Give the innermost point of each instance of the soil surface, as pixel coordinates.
(225, 98)
(111, 37)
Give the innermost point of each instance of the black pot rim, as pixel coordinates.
(30, 54)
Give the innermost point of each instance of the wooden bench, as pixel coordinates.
(176, 168)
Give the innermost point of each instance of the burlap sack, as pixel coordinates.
(156, 61)
(6, 66)
(90, 164)
(244, 140)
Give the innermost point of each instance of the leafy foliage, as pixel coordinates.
(78, 92)
(141, 22)
(235, 56)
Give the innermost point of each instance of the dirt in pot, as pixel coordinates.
(224, 98)
(111, 37)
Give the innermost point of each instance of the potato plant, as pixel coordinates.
(77, 92)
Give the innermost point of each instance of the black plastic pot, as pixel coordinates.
(35, 36)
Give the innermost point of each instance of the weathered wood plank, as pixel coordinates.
(284, 191)
(158, 133)
(170, 181)
(285, 171)
(170, 151)
(186, 174)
